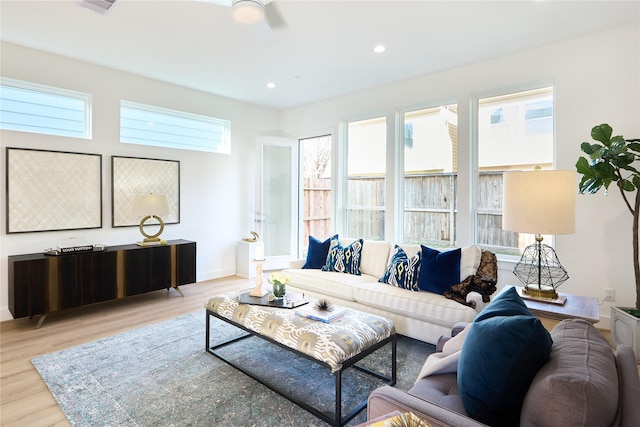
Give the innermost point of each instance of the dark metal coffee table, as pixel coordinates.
(338, 345)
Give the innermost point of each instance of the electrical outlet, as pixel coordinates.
(609, 294)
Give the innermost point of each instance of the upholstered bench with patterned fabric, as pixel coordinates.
(337, 345)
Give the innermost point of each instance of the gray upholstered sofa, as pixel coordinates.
(584, 383)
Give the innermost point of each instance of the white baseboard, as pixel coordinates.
(604, 323)
(5, 314)
(215, 274)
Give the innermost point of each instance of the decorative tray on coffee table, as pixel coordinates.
(290, 300)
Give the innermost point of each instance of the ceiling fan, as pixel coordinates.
(261, 15)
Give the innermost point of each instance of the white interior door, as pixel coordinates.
(277, 204)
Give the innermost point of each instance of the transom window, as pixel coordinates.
(162, 127)
(30, 107)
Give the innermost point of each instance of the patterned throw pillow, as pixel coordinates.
(344, 259)
(402, 271)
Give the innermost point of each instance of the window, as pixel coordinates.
(366, 166)
(521, 140)
(161, 127)
(539, 118)
(430, 166)
(29, 107)
(316, 188)
(497, 116)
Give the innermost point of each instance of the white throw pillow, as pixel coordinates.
(469, 261)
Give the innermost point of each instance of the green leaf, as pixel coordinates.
(626, 185)
(590, 185)
(633, 146)
(602, 133)
(588, 148)
(636, 181)
(604, 170)
(582, 166)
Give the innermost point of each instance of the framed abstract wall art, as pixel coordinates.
(52, 190)
(132, 176)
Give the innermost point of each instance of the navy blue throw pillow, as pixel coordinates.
(317, 252)
(504, 348)
(439, 270)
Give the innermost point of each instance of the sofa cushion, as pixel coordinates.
(579, 384)
(402, 271)
(439, 270)
(344, 259)
(470, 257)
(504, 349)
(328, 283)
(317, 252)
(423, 306)
(440, 389)
(375, 257)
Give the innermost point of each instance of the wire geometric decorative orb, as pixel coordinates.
(539, 268)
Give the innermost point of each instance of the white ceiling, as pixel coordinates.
(323, 50)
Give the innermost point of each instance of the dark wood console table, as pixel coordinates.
(42, 284)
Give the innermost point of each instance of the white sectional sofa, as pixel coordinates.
(425, 316)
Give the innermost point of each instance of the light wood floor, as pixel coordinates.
(25, 399)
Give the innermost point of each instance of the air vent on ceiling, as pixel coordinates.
(100, 6)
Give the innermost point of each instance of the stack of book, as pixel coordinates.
(310, 311)
(75, 249)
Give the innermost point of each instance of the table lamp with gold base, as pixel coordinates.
(151, 206)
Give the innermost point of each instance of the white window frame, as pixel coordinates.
(347, 204)
(475, 167)
(211, 141)
(85, 98)
(400, 155)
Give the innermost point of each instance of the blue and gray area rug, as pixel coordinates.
(161, 375)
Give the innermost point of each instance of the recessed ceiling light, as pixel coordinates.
(379, 49)
(271, 85)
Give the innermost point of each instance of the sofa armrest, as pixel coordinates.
(455, 330)
(477, 298)
(387, 399)
(297, 263)
(629, 411)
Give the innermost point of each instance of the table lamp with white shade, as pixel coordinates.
(539, 202)
(150, 206)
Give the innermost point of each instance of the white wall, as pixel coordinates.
(597, 80)
(216, 191)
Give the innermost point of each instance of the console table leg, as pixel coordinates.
(178, 290)
(41, 320)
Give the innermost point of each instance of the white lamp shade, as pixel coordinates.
(247, 11)
(539, 202)
(150, 204)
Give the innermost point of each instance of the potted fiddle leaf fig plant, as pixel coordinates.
(615, 159)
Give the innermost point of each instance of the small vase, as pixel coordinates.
(279, 289)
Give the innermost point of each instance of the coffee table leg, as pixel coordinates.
(393, 360)
(338, 414)
(206, 339)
